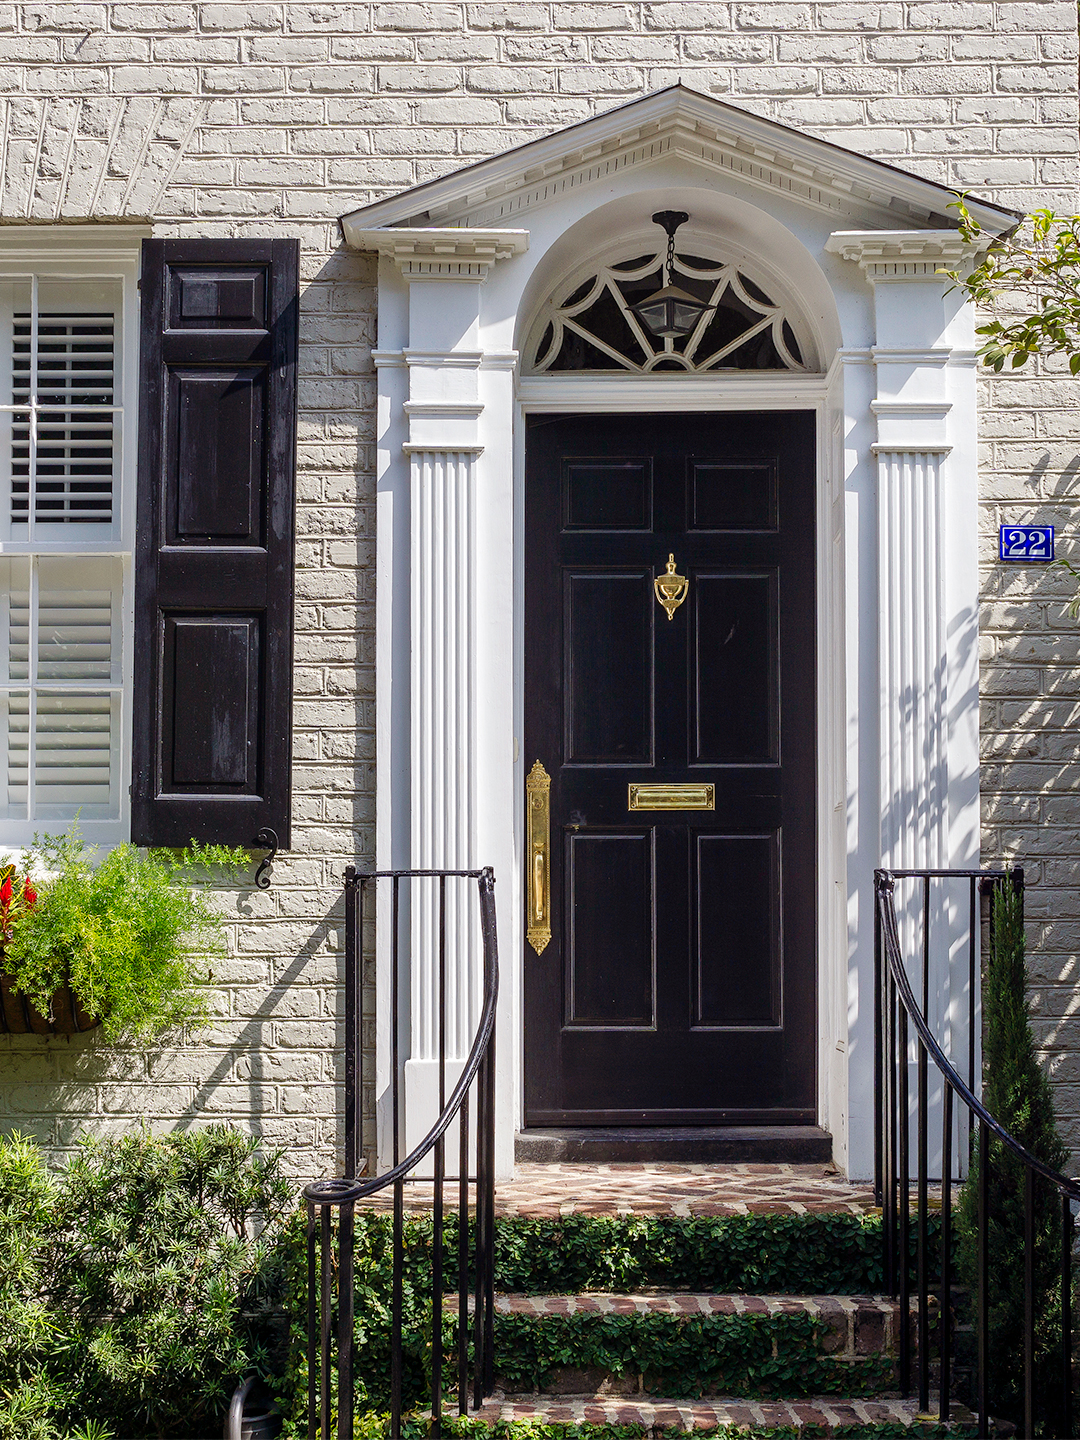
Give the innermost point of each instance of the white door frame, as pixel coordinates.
(584, 393)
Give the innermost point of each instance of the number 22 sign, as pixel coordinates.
(1026, 542)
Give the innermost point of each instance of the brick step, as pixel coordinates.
(660, 1417)
(852, 1344)
(858, 1324)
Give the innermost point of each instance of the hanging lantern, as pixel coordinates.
(670, 311)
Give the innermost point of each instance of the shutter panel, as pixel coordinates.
(214, 541)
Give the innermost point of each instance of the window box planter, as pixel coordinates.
(19, 1017)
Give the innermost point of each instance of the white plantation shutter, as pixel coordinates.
(68, 394)
(64, 550)
(60, 645)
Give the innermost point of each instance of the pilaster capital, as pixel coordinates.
(450, 253)
(891, 255)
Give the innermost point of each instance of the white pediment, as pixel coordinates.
(676, 123)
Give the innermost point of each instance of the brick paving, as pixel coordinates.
(637, 1189)
(659, 1415)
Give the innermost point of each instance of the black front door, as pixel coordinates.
(679, 985)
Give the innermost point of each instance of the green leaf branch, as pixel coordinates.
(1029, 282)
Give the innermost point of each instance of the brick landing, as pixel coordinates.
(666, 1415)
(635, 1189)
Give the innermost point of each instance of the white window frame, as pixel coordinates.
(74, 253)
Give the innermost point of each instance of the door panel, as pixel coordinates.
(609, 667)
(737, 940)
(608, 495)
(734, 677)
(610, 923)
(679, 985)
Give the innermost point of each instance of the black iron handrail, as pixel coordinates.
(896, 1006)
(323, 1196)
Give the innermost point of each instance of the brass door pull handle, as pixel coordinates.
(671, 588)
(538, 875)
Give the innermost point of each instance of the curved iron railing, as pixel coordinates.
(475, 1261)
(897, 1008)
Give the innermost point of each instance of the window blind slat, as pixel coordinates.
(74, 470)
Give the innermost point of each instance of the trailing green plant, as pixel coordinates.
(793, 1254)
(134, 935)
(138, 1285)
(777, 1355)
(1016, 1092)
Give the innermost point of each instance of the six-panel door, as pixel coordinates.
(679, 984)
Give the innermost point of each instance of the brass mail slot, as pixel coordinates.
(672, 797)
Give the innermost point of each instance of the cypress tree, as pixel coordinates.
(1016, 1092)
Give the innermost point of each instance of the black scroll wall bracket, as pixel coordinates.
(266, 840)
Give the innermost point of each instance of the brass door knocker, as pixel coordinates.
(671, 588)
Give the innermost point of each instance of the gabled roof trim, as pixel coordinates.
(676, 121)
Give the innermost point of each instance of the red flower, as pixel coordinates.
(30, 895)
(6, 892)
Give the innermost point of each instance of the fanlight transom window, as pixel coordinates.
(594, 328)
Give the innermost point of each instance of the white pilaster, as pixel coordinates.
(927, 593)
(927, 618)
(447, 774)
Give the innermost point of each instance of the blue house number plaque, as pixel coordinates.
(1027, 542)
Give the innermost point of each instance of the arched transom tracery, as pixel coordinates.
(591, 326)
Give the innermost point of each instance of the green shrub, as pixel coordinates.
(132, 935)
(138, 1285)
(1017, 1093)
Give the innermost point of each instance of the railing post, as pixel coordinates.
(353, 952)
(323, 1197)
(879, 1103)
(1066, 1313)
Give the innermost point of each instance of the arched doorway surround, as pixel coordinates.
(853, 250)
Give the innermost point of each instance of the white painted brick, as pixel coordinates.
(241, 17)
(853, 15)
(994, 47)
(153, 18)
(373, 48)
(286, 50)
(547, 49)
(687, 17)
(606, 16)
(459, 48)
(507, 17)
(888, 49)
(78, 19)
(187, 49)
(946, 80)
(842, 49)
(501, 81)
(308, 109)
(1044, 16)
(741, 46)
(412, 77)
(947, 15)
(1032, 78)
(423, 18)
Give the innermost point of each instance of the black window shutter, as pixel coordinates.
(211, 748)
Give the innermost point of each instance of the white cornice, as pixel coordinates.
(439, 254)
(95, 242)
(905, 254)
(676, 122)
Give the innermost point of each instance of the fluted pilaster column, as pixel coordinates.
(913, 661)
(432, 396)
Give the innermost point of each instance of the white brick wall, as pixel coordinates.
(256, 119)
